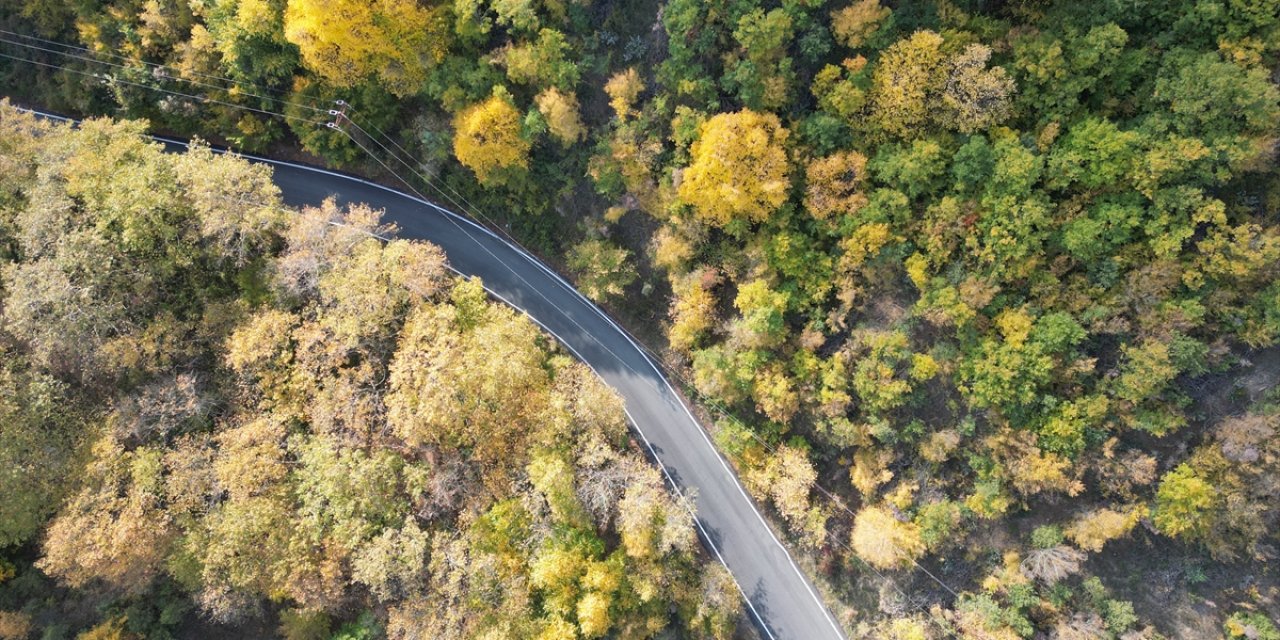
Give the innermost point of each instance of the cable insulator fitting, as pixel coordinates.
(340, 103)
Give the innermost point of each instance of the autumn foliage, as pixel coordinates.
(739, 168)
(345, 41)
(490, 142)
(297, 412)
(987, 286)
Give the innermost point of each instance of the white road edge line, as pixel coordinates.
(643, 354)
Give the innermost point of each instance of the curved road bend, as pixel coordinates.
(780, 598)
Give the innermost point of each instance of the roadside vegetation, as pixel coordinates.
(982, 297)
(216, 414)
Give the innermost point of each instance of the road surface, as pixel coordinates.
(779, 597)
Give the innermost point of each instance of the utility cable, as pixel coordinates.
(201, 99)
(491, 254)
(476, 213)
(173, 72)
(159, 77)
(471, 208)
(833, 498)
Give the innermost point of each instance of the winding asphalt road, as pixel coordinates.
(780, 598)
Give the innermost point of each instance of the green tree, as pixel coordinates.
(763, 310)
(604, 269)
(249, 38)
(1183, 504)
(1008, 374)
(1095, 154)
(38, 438)
(546, 62)
(761, 73)
(914, 170)
(1212, 97)
(1055, 75)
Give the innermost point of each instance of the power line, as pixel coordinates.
(666, 473)
(475, 212)
(834, 499)
(829, 495)
(683, 497)
(160, 77)
(509, 268)
(201, 99)
(176, 74)
(472, 209)
(368, 152)
(724, 413)
(486, 249)
(584, 331)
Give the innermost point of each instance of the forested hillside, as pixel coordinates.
(216, 414)
(981, 296)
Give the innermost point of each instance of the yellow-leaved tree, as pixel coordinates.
(1094, 529)
(624, 88)
(834, 184)
(739, 168)
(488, 141)
(561, 112)
(854, 24)
(346, 41)
(883, 541)
(788, 478)
(693, 309)
(908, 74)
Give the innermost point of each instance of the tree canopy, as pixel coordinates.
(275, 410)
(943, 273)
(739, 168)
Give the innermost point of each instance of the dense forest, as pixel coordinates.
(980, 297)
(213, 409)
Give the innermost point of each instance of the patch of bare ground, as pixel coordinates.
(1220, 395)
(1178, 587)
(198, 626)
